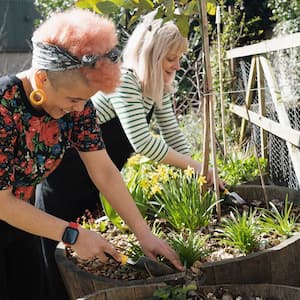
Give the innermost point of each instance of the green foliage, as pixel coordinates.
(99, 225)
(189, 246)
(169, 193)
(112, 214)
(181, 202)
(180, 12)
(46, 7)
(178, 292)
(284, 10)
(242, 22)
(135, 174)
(237, 169)
(282, 222)
(241, 231)
(134, 251)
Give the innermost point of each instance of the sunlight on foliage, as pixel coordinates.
(241, 231)
(181, 202)
(282, 222)
(178, 292)
(189, 246)
(113, 215)
(236, 170)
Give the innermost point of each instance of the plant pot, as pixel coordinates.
(276, 265)
(79, 282)
(279, 292)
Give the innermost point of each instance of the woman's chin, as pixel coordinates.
(169, 78)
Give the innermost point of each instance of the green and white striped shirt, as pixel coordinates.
(131, 107)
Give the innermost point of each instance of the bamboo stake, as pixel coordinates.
(218, 22)
(258, 162)
(210, 99)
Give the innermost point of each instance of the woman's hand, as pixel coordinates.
(153, 246)
(209, 176)
(91, 244)
(210, 180)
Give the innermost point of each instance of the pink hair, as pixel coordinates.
(82, 32)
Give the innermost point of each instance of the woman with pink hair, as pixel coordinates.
(44, 111)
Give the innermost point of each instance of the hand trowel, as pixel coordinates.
(147, 264)
(234, 197)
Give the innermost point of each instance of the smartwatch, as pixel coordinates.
(70, 234)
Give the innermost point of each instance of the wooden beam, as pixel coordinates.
(249, 92)
(285, 42)
(261, 106)
(284, 132)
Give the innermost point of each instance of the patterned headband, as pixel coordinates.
(50, 57)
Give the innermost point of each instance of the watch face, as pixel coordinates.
(70, 236)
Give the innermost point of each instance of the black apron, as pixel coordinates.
(68, 191)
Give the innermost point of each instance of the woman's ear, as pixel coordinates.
(40, 78)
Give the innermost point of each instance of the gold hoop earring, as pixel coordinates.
(37, 97)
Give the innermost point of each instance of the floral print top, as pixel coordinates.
(32, 143)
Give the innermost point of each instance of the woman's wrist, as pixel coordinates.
(142, 231)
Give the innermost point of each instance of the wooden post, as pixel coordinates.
(210, 99)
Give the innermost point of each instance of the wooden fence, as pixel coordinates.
(261, 72)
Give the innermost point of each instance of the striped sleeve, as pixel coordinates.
(104, 108)
(132, 109)
(169, 128)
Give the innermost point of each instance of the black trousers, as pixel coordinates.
(21, 267)
(68, 191)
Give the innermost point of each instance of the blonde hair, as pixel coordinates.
(82, 32)
(144, 53)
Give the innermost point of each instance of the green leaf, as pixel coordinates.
(183, 24)
(147, 5)
(119, 3)
(107, 7)
(170, 7)
(112, 214)
(88, 4)
(129, 4)
(190, 9)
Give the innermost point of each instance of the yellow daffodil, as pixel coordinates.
(155, 189)
(189, 172)
(201, 180)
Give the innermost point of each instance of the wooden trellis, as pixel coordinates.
(261, 69)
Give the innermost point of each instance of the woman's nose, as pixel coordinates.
(176, 65)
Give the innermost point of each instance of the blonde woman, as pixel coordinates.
(151, 59)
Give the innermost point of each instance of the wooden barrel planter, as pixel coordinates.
(136, 292)
(255, 192)
(268, 291)
(79, 282)
(276, 265)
